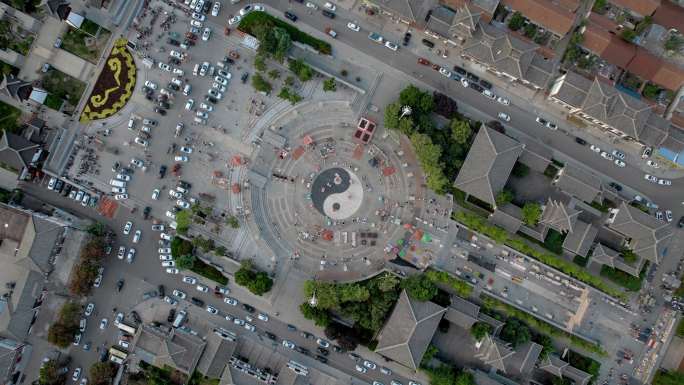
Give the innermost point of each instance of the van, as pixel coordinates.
(187, 89)
(195, 70)
(179, 129)
(180, 318)
(131, 124)
(117, 183)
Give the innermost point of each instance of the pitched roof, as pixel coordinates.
(607, 45)
(215, 356)
(462, 312)
(16, 151)
(409, 330)
(559, 216)
(580, 240)
(499, 49)
(554, 365)
(604, 255)
(578, 183)
(488, 164)
(508, 216)
(411, 11)
(466, 21)
(669, 15)
(541, 71)
(571, 88)
(10, 354)
(47, 235)
(647, 234)
(493, 352)
(175, 348)
(656, 70)
(441, 20)
(545, 13)
(607, 104)
(642, 7)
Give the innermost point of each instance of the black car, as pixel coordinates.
(146, 212)
(161, 290)
(337, 349)
(322, 359)
(300, 1)
(328, 14)
(581, 141)
(307, 335)
(228, 60)
(119, 284)
(248, 308)
(174, 87)
(197, 301)
(291, 16)
(616, 186)
(427, 43)
(476, 87)
(174, 61)
(244, 77)
(324, 352)
(162, 171)
(184, 184)
(681, 222)
(460, 70)
(173, 42)
(160, 111)
(485, 84)
(472, 77)
(270, 336)
(67, 190)
(189, 42)
(206, 7)
(171, 316)
(164, 105)
(210, 99)
(302, 350)
(407, 38)
(136, 317)
(291, 328)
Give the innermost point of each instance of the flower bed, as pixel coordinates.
(114, 86)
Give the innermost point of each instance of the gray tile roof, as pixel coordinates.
(580, 240)
(647, 234)
(16, 151)
(507, 216)
(558, 216)
(462, 313)
(409, 330)
(521, 363)
(408, 10)
(176, 348)
(535, 156)
(47, 235)
(604, 255)
(579, 183)
(22, 313)
(488, 164)
(493, 353)
(571, 88)
(466, 22)
(554, 365)
(499, 49)
(441, 21)
(216, 355)
(541, 71)
(10, 351)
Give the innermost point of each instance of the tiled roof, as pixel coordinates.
(558, 216)
(669, 15)
(607, 45)
(571, 89)
(654, 69)
(16, 151)
(579, 183)
(580, 240)
(545, 13)
(488, 164)
(462, 312)
(409, 330)
(441, 20)
(604, 255)
(502, 50)
(411, 11)
(642, 7)
(507, 216)
(647, 233)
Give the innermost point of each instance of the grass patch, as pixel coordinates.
(491, 303)
(459, 286)
(680, 328)
(208, 271)
(580, 260)
(254, 20)
(90, 27)
(9, 118)
(74, 41)
(623, 279)
(554, 241)
(54, 102)
(63, 86)
(584, 363)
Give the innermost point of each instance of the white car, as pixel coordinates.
(651, 178)
(175, 194)
(118, 190)
(234, 20)
(178, 71)
(168, 264)
(595, 148)
(189, 104)
(141, 141)
(653, 164)
(121, 197)
(180, 158)
(165, 67)
(190, 280)
(215, 9)
(127, 228)
(123, 177)
(202, 288)
(130, 256)
(121, 253)
(369, 364)
(262, 317)
(361, 369)
(311, 5)
(258, 8)
(103, 324)
(136, 236)
(196, 24)
(445, 72)
(119, 317)
(218, 87)
(89, 309)
(77, 374)
(172, 270)
(249, 327)
(246, 9)
(330, 6)
(187, 150)
(288, 344)
(203, 115)
(206, 33)
(606, 155)
(177, 55)
(230, 301)
(51, 183)
(155, 194)
(165, 236)
(207, 107)
(182, 204)
(198, 16)
(504, 116)
(212, 310)
(619, 163)
(180, 294)
(322, 343)
(664, 182)
(353, 27)
(503, 100)
(215, 94)
(137, 162)
(164, 250)
(150, 84)
(165, 257)
(391, 45)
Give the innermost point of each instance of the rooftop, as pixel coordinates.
(646, 234)
(556, 16)
(578, 183)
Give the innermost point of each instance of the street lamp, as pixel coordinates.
(405, 110)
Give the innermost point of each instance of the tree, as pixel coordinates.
(288, 94)
(260, 84)
(628, 35)
(289, 81)
(102, 373)
(180, 247)
(387, 282)
(256, 282)
(260, 63)
(674, 43)
(504, 196)
(392, 113)
(546, 344)
(429, 155)
(205, 244)
(531, 213)
(183, 220)
(420, 101)
(221, 251)
(629, 256)
(50, 374)
(62, 332)
(233, 222)
(283, 43)
(520, 170)
(441, 375)
(516, 21)
(479, 330)
(301, 69)
(186, 262)
(464, 378)
(444, 105)
(419, 287)
(319, 316)
(329, 85)
(460, 131)
(515, 332)
(97, 229)
(346, 337)
(274, 74)
(664, 377)
(429, 354)
(261, 284)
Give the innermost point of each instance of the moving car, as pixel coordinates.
(503, 116)
(651, 178)
(353, 27)
(136, 236)
(391, 45)
(190, 280)
(291, 16)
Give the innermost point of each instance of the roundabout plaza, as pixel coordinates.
(332, 201)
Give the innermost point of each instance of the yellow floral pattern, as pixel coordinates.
(114, 86)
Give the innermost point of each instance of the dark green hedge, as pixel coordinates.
(253, 19)
(208, 271)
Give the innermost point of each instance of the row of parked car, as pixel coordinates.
(66, 189)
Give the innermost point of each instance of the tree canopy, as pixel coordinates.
(479, 330)
(255, 281)
(531, 213)
(515, 332)
(419, 287)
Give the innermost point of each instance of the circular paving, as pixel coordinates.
(337, 193)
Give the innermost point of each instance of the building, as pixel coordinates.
(515, 363)
(555, 16)
(602, 105)
(488, 165)
(14, 356)
(18, 155)
(578, 183)
(637, 8)
(656, 70)
(16, 88)
(409, 330)
(413, 13)
(554, 365)
(604, 255)
(168, 347)
(644, 234)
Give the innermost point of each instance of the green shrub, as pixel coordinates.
(516, 21)
(208, 271)
(180, 247)
(554, 241)
(260, 84)
(255, 281)
(251, 21)
(459, 286)
(621, 278)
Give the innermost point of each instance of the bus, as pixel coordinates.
(126, 328)
(116, 355)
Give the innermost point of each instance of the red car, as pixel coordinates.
(424, 62)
